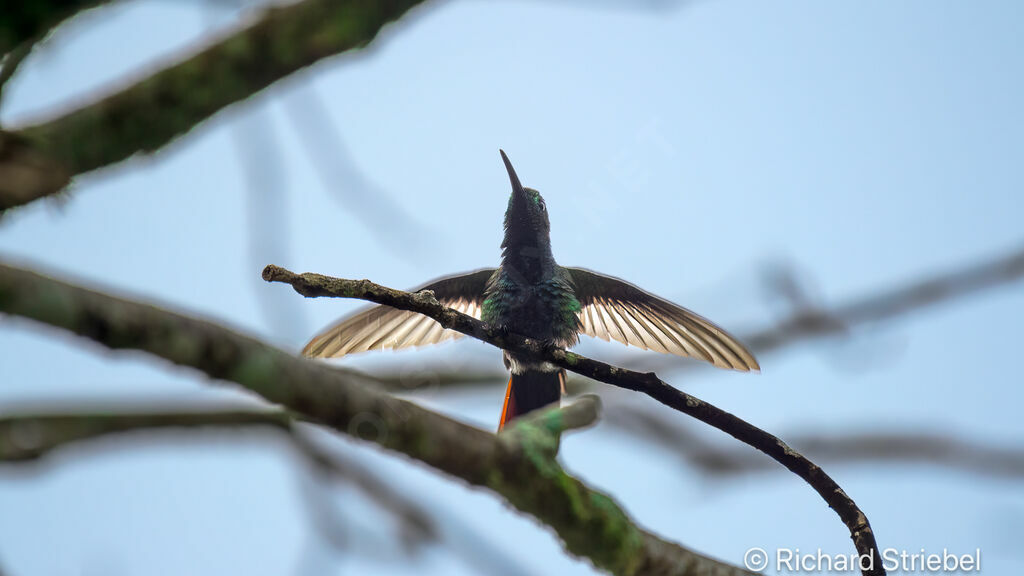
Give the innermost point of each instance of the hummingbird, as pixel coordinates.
(531, 295)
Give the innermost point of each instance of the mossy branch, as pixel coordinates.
(590, 524)
(151, 113)
(313, 285)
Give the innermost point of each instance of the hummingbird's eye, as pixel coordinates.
(542, 206)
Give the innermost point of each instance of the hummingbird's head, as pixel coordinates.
(527, 228)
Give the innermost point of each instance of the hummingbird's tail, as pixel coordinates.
(529, 391)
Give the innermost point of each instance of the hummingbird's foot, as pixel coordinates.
(501, 329)
(548, 346)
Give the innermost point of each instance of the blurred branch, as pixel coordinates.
(896, 302)
(438, 523)
(154, 111)
(416, 522)
(26, 24)
(313, 285)
(10, 62)
(267, 211)
(590, 524)
(937, 449)
(29, 437)
(894, 446)
(384, 217)
(810, 322)
(23, 21)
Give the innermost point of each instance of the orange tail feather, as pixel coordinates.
(530, 391)
(508, 411)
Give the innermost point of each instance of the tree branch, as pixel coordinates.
(22, 21)
(313, 285)
(911, 297)
(714, 458)
(590, 524)
(154, 111)
(10, 62)
(30, 437)
(26, 437)
(25, 24)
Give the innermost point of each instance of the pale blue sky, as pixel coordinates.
(867, 143)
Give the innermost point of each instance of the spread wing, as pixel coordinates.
(613, 308)
(382, 327)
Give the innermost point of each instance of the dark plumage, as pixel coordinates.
(530, 294)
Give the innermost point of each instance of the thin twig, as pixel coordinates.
(314, 285)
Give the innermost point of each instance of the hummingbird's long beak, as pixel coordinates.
(517, 188)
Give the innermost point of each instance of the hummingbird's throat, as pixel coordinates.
(528, 263)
